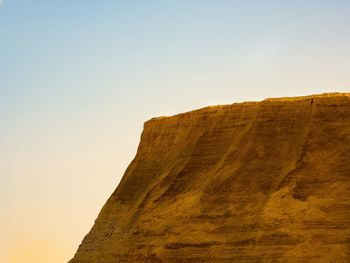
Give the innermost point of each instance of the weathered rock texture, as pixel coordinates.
(251, 182)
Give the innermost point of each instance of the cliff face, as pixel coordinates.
(257, 181)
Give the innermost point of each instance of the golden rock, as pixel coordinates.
(261, 181)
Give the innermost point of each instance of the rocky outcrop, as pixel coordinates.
(250, 182)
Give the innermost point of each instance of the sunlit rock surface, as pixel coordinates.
(249, 182)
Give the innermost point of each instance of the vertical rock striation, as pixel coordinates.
(251, 182)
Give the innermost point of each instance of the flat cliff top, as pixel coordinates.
(333, 95)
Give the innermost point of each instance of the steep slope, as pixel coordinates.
(251, 182)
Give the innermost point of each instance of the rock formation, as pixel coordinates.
(249, 182)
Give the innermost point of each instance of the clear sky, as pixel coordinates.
(79, 78)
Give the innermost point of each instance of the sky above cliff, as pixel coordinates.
(79, 78)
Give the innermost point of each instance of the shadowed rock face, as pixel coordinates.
(251, 182)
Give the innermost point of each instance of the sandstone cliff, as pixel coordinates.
(250, 182)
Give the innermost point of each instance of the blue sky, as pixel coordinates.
(79, 78)
(56, 51)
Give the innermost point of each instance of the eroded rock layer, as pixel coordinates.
(250, 182)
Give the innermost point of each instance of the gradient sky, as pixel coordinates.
(79, 78)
